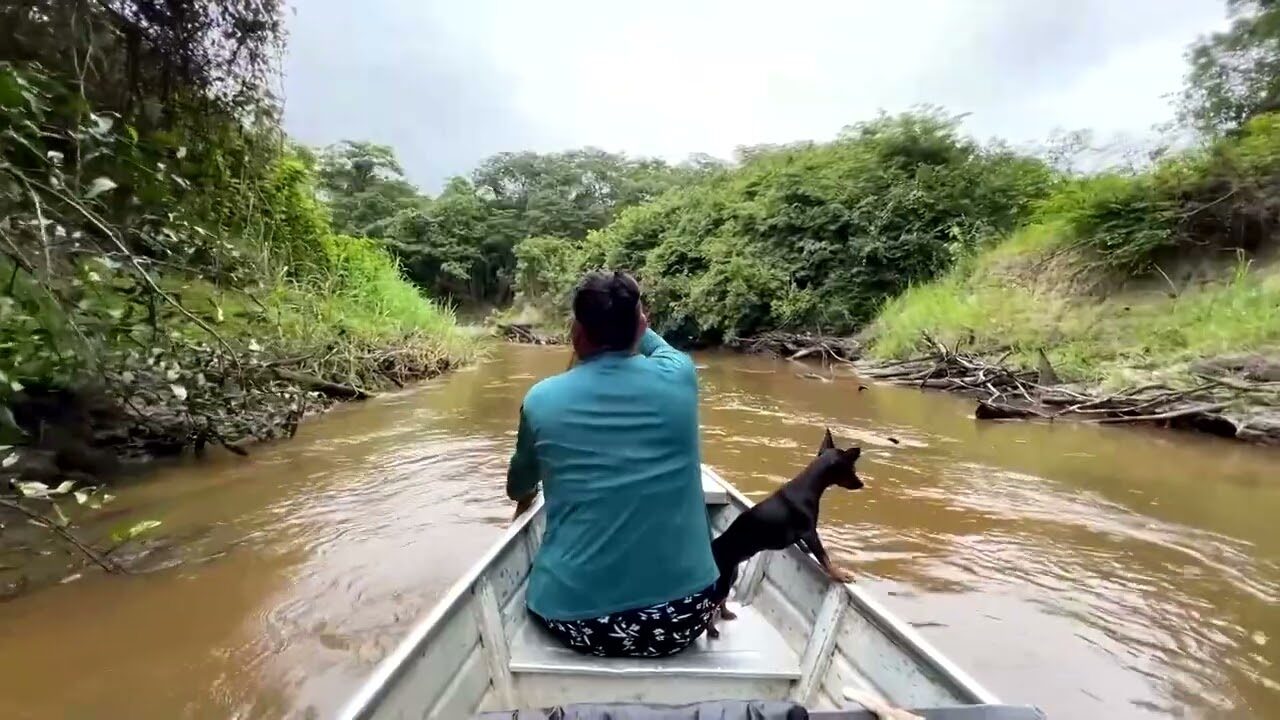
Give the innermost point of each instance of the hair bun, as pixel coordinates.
(621, 287)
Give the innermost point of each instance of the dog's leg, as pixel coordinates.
(728, 576)
(811, 542)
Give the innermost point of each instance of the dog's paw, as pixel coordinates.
(841, 575)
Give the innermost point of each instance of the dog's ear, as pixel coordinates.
(828, 443)
(851, 455)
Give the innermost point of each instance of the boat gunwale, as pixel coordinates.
(376, 686)
(889, 624)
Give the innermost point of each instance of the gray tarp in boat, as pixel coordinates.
(758, 710)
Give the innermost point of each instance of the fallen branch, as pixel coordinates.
(798, 346)
(806, 352)
(524, 333)
(1170, 415)
(45, 521)
(1008, 393)
(331, 389)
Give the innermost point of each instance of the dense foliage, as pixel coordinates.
(1133, 276)
(812, 235)
(159, 63)
(1196, 203)
(364, 187)
(820, 236)
(461, 244)
(162, 250)
(1235, 74)
(1122, 279)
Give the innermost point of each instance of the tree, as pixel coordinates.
(457, 246)
(1235, 74)
(808, 234)
(572, 193)
(365, 187)
(463, 243)
(152, 57)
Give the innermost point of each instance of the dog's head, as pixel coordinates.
(838, 467)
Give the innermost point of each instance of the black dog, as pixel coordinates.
(788, 516)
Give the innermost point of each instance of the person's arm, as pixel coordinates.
(668, 358)
(522, 472)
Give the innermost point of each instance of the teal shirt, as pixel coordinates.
(614, 442)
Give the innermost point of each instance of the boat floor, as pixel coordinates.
(748, 647)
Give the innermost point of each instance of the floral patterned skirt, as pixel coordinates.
(656, 631)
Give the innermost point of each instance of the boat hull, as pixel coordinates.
(801, 637)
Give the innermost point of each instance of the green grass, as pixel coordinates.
(347, 315)
(359, 304)
(1125, 339)
(365, 293)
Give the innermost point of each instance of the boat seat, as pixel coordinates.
(748, 647)
(713, 491)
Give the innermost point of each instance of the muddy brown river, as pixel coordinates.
(1095, 572)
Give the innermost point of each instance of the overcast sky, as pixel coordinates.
(448, 83)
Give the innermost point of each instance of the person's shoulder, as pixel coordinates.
(672, 363)
(547, 390)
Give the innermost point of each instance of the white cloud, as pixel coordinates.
(447, 84)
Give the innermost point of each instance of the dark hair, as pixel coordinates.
(605, 305)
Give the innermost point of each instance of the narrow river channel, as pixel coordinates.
(1096, 572)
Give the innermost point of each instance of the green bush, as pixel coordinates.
(1180, 218)
(124, 272)
(546, 269)
(1207, 199)
(817, 235)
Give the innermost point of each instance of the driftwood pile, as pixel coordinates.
(1218, 405)
(800, 346)
(525, 333)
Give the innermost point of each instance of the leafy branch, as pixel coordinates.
(58, 529)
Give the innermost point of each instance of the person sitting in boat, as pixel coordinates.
(625, 566)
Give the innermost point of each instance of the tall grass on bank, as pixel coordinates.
(351, 312)
(1090, 281)
(1131, 337)
(364, 291)
(189, 283)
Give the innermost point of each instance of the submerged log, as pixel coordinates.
(993, 411)
(1169, 415)
(331, 389)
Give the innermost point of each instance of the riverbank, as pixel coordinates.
(168, 290)
(529, 324)
(81, 440)
(85, 440)
(1229, 395)
(1197, 345)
